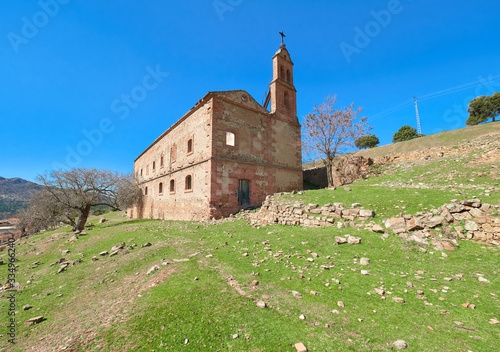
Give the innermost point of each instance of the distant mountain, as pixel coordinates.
(14, 195)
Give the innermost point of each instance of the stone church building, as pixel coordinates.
(225, 154)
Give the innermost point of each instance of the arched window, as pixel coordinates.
(282, 72)
(160, 187)
(161, 161)
(154, 165)
(288, 76)
(172, 186)
(145, 191)
(141, 172)
(190, 146)
(188, 185)
(286, 100)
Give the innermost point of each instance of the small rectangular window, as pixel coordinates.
(230, 139)
(154, 165)
(190, 146)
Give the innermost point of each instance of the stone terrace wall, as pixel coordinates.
(310, 215)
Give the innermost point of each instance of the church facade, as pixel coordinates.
(225, 154)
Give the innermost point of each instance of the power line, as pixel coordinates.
(437, 94)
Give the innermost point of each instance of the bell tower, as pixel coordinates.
(282, 90)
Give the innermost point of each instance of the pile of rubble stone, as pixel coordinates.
(478, 224)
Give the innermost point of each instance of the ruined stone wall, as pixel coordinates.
(344, 171)
(316, 177)
(311, 215)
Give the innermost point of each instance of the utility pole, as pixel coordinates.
(419, 130)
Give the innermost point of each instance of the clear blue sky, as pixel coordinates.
(66, 70)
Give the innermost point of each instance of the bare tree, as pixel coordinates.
(45, 212)
(71, 194)
(327, 132)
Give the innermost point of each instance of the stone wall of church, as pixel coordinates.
(266, 152)
(175, 159)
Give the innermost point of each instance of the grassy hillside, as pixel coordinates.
(203, 295)
(443, 139)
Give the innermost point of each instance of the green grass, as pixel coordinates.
(105, 306)
(111, 304)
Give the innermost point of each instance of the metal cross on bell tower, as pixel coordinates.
(282, 39)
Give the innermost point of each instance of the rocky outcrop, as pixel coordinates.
(310, 215)
(351, 169)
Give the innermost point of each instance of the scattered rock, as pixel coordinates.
(482, 279)
(112, 254)
(299, 346)
(261, 304)
(103, 253)
(353, 240)
(26, 307)
(365, 213)
(296, 294)
(153, 269)
(341, 304)
(33, 321)
(398, 299)
(364, 261)
(340, 240)
(302, 317)
(400, 344)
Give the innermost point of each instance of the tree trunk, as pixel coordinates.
(82, 218)
(328, 165)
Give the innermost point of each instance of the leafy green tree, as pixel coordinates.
(483, 108)
(405, 133)
(370, 141)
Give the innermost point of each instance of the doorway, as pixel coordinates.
(244, 193)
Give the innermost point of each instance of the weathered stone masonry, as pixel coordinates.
(226, 154)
